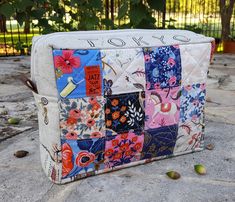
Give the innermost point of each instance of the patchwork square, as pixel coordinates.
(192, 102)
(123, 71)
(195, 61)
(162, 107)
(78, 73)
(123, 148)
(190, 136)
(82, 118)
(159, 142)
(162, 67)
(82, 156)
(124, 112)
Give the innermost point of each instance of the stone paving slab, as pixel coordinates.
(24, 180)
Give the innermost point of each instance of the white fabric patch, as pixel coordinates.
(189, 137)
(195, 61)
(125, 68)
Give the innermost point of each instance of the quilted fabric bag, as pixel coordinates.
(113, 99)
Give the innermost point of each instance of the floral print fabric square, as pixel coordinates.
(124, 112)
(123, 71)
(78, 72)
(82, 118)
(190, 136)
(82, 156)
(192, 102)
(123, 148)
(162, 107)
(162, 67)
(159, 142)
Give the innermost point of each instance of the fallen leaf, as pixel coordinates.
(13, 121)
(173, 175)
(210, 146)
(20, 153)
(200, 169)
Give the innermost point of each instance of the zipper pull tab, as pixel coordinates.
(29, 83)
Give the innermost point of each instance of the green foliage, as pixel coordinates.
(69, 15)
(7, 10)
(193, 28)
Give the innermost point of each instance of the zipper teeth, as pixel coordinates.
(46, 37)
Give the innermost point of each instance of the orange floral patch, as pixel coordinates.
(122, 119)
(116, 115)
(115, 102)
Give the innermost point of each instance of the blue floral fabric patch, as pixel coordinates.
(82, 156)
(159, 141)
(162, 67)
(73, 68)
(192, 102)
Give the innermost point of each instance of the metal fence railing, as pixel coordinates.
(201, 16)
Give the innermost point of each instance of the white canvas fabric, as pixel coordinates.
(195, 60)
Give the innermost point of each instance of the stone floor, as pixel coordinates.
(24, 180)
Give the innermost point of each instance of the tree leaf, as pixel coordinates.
(37, 14)
(107, 22)
(137, 13)
(20, 17)
(96, 4)
(22, 5)
(7, 10)
(156, 5)
(135, 1)
(122, 10)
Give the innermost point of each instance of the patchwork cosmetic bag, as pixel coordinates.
(113, 99)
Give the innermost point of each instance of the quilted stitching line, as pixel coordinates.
(195, 61)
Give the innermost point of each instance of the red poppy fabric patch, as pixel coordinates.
(82, 156)
(123, 148)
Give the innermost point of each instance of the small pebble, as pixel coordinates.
(210, 147)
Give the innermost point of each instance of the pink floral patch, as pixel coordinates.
(162, 107)
(82, 118)
(123, 148)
